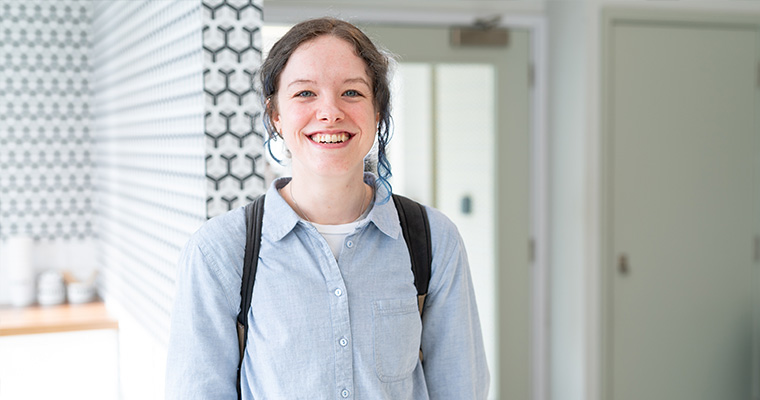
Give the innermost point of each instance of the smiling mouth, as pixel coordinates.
(329, 137)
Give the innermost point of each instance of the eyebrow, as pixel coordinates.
(357, 80)
(349, 80)
(300, 81)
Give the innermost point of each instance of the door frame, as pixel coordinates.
(601, 318)
(540, 221)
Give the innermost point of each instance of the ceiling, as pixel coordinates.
(399, 11)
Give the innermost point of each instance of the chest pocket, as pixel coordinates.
(397, 331)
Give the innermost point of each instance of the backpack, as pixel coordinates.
(414, 225)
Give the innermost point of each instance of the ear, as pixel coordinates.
(276, 122)
(377, 118)
(275, 116)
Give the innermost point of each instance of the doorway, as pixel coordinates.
(681, 218)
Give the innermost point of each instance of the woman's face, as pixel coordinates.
(324, 108)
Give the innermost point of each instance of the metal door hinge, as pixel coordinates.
(531, 75)
(532, 250)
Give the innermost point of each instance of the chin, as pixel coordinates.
(332, 170)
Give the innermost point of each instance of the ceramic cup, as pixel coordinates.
(80, 292)
(50, 288)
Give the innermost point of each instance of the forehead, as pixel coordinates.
(325, 57)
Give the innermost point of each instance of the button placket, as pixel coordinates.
(341, 325)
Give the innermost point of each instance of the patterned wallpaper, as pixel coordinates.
(129, 123)
(46, 163)
(147, 84)
(235, 165)
(177, 126)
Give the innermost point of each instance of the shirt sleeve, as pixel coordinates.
(454, 358)
(203, 350)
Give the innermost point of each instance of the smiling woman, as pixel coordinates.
(335, 307)
(325, 114)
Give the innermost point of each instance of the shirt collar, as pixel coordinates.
(383, 213)
(280, 219)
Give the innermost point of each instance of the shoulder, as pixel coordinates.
(449, 262)
(222, 230)
(443, 231)
(441, 227)
(220, 240)
(211, 264)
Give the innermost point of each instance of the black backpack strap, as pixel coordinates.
(416, 229)
(254, 214)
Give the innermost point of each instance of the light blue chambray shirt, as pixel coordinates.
(321, 328)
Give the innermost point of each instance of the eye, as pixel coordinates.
(352, 93)
(305, 93)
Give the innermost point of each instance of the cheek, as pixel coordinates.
(290, 117)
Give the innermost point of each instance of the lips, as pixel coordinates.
(330, 138)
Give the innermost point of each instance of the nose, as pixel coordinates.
(329, 110)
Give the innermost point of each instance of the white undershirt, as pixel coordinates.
(335, 235)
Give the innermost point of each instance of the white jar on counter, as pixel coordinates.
(50, 288)
(20, 270)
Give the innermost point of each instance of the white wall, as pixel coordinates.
(568, 127)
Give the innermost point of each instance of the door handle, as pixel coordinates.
(623, 266)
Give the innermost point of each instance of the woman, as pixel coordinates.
(334, 309)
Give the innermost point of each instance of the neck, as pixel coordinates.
(327, 201)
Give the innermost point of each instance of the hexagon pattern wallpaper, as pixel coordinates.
(235, 165)
(46, 163)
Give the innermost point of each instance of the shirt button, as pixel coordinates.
(350, 244)
(338, 292)
(343, 342)
(344, 393)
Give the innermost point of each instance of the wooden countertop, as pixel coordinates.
(49, 319)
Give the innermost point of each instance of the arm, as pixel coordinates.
(454, 357)
(203, 350)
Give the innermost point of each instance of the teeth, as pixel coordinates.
(330, 138)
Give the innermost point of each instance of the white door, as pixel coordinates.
(682, 150)
(462, 144)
